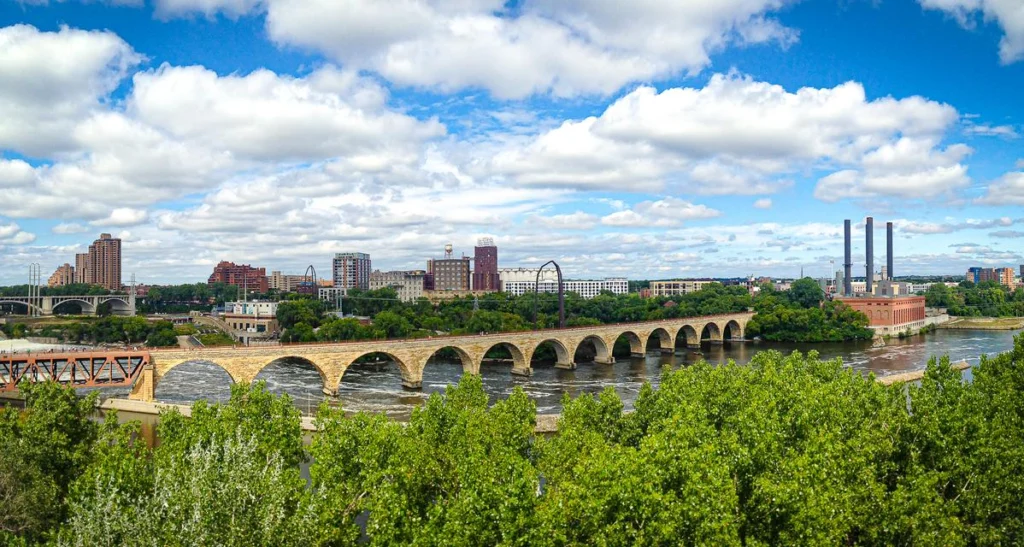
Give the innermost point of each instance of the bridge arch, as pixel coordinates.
(689, 336)
(186, 373)
(732, 331)
(636, 343)
(663, 340)
(711, 333)
(87, 307)
(26, 304)
(465, 359)
(602, 353)
(520, 366)
(296, 363)
(563, 359)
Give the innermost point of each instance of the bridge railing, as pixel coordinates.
(656, 322)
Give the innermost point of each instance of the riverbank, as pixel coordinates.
(984, 323)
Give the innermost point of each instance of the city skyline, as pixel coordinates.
(631, 143)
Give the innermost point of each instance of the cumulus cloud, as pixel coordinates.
(661, 213)
(1007, 13)
(49, 81)
(1006, 190)
(69, 228)
(123, 216)
(763, 203)
(985, 130)
(740, 136)
(543, 46)
(950, 226)
(12, 234)
(1007, 234)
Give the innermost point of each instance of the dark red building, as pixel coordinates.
(241, 275)
(485, 271)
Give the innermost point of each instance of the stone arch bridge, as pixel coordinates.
(332, 359)
(120, 304)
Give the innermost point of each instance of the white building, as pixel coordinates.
(408, 284)
(254, 308)
(678, 287)
(587, 288)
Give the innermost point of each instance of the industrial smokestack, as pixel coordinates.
(869, 253)
(888, 249)
(848, 263)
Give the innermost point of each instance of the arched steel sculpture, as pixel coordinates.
(309, 282)
(561, 294)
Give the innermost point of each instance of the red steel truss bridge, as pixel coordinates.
(79, 369)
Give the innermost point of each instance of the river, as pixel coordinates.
(378, 388)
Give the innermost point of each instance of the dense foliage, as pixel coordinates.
(786, 450)
(988, 299)
(104, 330)
(799, 315)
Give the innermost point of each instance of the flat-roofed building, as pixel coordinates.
(64, 275)
(351, 271)
(587, 288)
(407, 283)
(678, 287)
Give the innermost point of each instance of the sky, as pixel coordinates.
(650, 139)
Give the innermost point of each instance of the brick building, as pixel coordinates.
(240, 275)
(890, 315)
(351, 271)
(485, 266)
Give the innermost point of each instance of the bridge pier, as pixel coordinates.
(523, 371)
(566, 366)
(637, 355)
(609, 360)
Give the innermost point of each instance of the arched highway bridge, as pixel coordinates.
(120, 304)
(331, 360)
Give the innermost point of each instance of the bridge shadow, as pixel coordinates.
(193, 381)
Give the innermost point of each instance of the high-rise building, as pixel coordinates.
(81, 267)
(974, 274)
(240, 275)
(448, 273)
(485, 266)
(103, 263)
(65, 275)
(352, 271)
(1003, 276)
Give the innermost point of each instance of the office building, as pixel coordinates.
(485, 266)
(240, 275)
(408, 284)
(351, 271)
(64, 275)
(678, 287)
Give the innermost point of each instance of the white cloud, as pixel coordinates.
(763, 203)
(665, 212)
(69, 228)
(572, 221)
(1009, 14)
(12, 234)
(49, 81)
(562, 47)
(985, 130)
(1019, 164)
(1006, 190)
(740, 136)
(123, 216)
(951, 225)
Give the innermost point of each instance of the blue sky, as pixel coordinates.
(648, 139)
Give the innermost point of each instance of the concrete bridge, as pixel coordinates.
(333, 359)
(120, 304)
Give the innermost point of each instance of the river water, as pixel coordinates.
(378, 387)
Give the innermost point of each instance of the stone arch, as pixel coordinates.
(520, 365)
(465, 358)
(603, 352)
(563, 359)
(636, 343)
(412, 378)
(160, 379)
(688, 334)
(732, 331)
(87, 307)
(663, 339)
(711, 333)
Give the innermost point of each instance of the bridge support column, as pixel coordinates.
(412, 379)
(523, 371)
(145, 387)
(47, 305)
(605, 360)
(637, 354)
(569, 365)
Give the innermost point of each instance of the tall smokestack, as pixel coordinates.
(888, 249)
(848, 263)
(869, 253)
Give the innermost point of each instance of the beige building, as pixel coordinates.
(678, 287)
(408, 284)
(65, 275)
(101, 265)
(283, 282)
